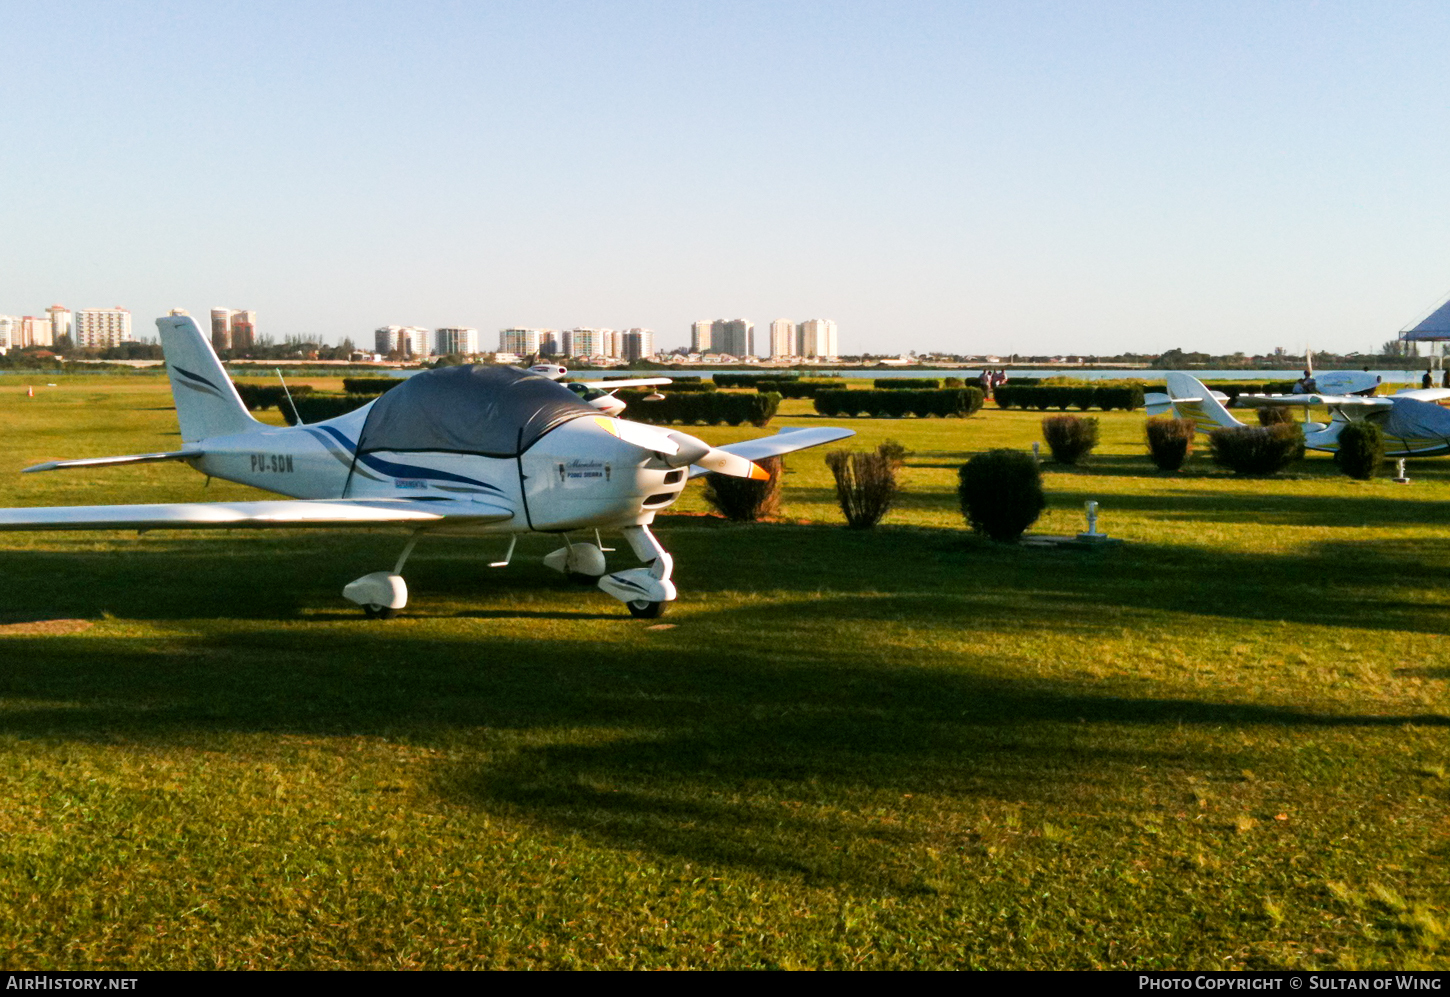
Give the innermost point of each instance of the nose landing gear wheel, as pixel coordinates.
(376, 612)
(641, 609)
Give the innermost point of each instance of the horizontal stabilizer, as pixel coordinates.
(139, 458)
(280, 514)
(784, 442)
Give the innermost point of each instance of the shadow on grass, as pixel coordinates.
(1361, 507)
(745, 747)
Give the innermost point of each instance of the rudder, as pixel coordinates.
(207, 403)
(1192, 400)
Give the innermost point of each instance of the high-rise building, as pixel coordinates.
(521, 342)
(102, 327)
(636, 344)
(549, 343)
(817, 338)
(233, 329)
(589, 342)
(734, 336)
(61, 323)
(456, 339)
(34, 331)
(221, 329)
(8, 326)
(408, 340)
(700, 337)
(244, 329)
(782, 338)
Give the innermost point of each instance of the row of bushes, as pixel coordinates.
(799, 387)
(953, 402)
(908, 383)
(708, 407)
(1059, 396)
(319, 406)
(371, 386)
(750, 380)
(258, 397)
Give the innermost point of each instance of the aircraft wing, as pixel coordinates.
(627, 382)
(786, 441)
(138, 458)
(272, 514)
(1335, 401)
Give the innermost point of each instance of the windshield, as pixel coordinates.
(495, 411)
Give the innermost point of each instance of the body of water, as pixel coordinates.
(968, 373)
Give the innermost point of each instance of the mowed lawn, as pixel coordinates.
(1223, 744)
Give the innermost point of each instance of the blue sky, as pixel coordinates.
(1014, 177)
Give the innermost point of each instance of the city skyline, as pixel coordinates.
(1036, 178)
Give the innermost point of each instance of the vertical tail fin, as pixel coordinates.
(207, 404)
(1193, 400)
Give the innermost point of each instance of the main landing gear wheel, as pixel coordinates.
(376, 612)
(642, 609)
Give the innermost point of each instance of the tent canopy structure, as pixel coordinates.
(1434, 327)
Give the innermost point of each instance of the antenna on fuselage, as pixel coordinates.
(295, 415)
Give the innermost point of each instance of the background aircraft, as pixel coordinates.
(1413, 421)
(472, 450)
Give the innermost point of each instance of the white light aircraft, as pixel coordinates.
(1413, 421)
(471, 450)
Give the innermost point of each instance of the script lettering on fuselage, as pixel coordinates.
(271, 463)
(584, 471)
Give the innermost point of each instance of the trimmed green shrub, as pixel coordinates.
(259, 397)
(1001, 493)
(319, 407)
(1275, 415)
(865, 484)
(906, 383)
(370, 385)
(744, 500)
(1170, 441)
(1127, 397)
(1070, 437)
(709, 407)
(1361, 450)
(1257, 449)
(953, 382)
(946, 402)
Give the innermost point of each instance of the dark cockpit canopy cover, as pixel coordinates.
(496, 411)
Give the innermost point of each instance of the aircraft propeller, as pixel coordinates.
(681, 449)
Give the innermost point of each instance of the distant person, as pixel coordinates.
(1305, 385)
(1445, 381)
(1427, 381)
(986, 382)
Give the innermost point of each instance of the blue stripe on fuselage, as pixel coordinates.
(403, 470)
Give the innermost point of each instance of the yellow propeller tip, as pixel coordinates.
(758, 473)
(607, 423)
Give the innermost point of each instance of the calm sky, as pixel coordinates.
(1006, 176)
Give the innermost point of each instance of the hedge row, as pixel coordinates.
(679, 386)
(749, 380)
(958, 402)
(370, 385)
(799, 387)
(263, 396)
(1043, 397)
(708, 407)
(907, 383)
(317, 407)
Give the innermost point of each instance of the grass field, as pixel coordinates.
(1220, 745)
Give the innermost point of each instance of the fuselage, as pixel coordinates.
(575, 475)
